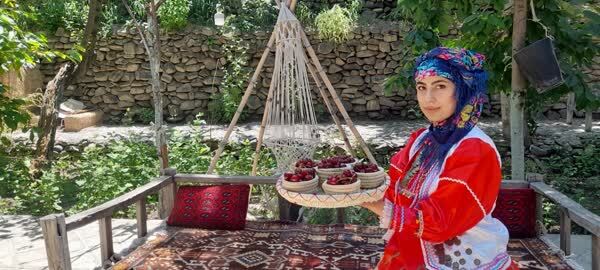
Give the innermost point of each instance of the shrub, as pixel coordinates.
(336, 24)
(173, 14)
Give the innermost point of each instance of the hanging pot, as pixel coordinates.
(538, 63)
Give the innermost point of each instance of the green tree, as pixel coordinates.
(486, 26)
(18, 48)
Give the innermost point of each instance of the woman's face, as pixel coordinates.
(436, 98)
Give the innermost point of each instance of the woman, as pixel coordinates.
(445, 181)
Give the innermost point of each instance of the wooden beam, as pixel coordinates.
(106, 239)
(293, 5)
(565, 231)
(263, 124)
(512, 184)
(595, 252)
(583, 217)
(229, 179)
(141, 217)
(238, 112)
(517, 97)
(54, 230)
(107, 208)
(166, 195)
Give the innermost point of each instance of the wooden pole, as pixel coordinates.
(54, 230)
(331, 111)
(213, 162)
(335, 97)
(588, 119)
(166, 195)
(595, 252)
(517, 100)
(106, 238)
(565, 231)
(570, 107)
(141, 217)
(263, 124)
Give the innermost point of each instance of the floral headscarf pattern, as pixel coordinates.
(465, 69)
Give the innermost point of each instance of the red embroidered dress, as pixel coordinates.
(442, 219)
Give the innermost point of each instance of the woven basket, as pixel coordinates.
(372, 180)
(302, 186)
(341, 189)
(324, 173)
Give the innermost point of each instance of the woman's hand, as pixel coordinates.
(375, 207)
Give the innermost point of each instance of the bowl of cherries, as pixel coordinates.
(370, 175)
(306, 164)
(301, 180)
(346, 182)
(333, 165)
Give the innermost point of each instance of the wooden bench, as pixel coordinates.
(56, 226)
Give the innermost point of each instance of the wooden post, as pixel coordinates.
(588, 119)
(238, 112)
(166, 196)
(335, 97)
(141, 217)
(106, 240)
(261, 132)
(595, 252)
(331, 110)
(539, 201)
(54, 230)
(505, 115)
(570, 107)
(517, 100)
(284, 208)
(340, 215)
(539, 214)
(565, 231)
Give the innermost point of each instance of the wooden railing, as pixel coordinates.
(56, 226)
(572, 211)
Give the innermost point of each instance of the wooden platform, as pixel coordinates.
(279, 245)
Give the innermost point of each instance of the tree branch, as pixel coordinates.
(157, 6)
(137, 25)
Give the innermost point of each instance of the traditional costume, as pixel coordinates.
(445, 181)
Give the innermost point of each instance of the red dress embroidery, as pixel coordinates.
(466, 191)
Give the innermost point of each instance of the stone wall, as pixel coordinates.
(192, 60)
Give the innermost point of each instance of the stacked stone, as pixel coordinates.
(192, 61)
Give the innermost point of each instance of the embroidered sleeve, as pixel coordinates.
(466, 193)
(398, 163)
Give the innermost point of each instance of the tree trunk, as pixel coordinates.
(588, 119)
(505, 112)
(154, 55)
(49, 118)
(570, 107)
(54, 92)
(517, 100)
(90, 36)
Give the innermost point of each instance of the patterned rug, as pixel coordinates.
(276, 245)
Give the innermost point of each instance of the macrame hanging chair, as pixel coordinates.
(291, 128)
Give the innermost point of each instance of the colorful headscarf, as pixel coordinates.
(465, 69)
